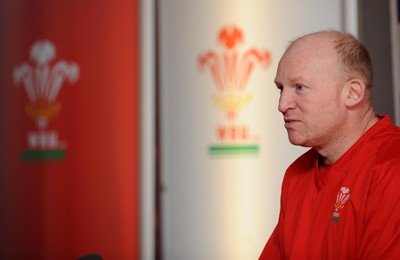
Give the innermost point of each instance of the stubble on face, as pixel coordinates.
(314, 59)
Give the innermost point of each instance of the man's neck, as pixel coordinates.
(357, 128)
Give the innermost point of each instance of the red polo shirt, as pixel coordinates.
(350, 211)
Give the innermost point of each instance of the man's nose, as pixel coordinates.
(286, 101)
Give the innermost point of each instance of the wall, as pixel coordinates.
(220, 201)
(375, 34)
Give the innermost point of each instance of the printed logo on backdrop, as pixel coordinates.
(42, 82)
(231, 69)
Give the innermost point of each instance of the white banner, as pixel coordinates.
(224, 146)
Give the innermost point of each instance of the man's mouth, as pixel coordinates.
(289, 122)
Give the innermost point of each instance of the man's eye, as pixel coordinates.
(299, 87)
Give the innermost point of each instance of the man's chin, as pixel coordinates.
(298, 141)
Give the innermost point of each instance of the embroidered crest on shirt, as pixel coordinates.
(341, 199)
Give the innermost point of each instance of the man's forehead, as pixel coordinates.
(309, 49)
(312, 44)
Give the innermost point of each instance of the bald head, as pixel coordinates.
(325, 81)
(352, 56)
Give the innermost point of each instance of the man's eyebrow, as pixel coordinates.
(292, 79)
(296, 79)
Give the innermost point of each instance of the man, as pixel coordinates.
(341, 199)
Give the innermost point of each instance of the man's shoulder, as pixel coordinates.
(386, 146)
(387, 143)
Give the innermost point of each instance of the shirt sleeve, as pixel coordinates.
(273, 248)
(381, 234)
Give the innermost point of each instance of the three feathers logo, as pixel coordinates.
(42, 82)
(342, 197)
(231, 70)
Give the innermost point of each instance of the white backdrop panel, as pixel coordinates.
(225, 206)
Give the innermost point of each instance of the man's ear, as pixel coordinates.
(355, 93)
